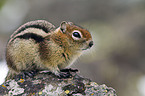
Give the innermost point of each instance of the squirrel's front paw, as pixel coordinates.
(69, 70)
(64, 75)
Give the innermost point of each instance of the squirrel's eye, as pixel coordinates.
(76, 34)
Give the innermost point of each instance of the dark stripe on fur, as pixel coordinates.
(33, 36)
(34, 26)
(63, 54)
(38, 24)
(68, 56)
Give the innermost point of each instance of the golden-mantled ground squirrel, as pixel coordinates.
(38, 45)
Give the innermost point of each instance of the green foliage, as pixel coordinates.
(2, 2)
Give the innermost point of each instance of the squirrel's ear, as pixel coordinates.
(63, 26)
(70, 23)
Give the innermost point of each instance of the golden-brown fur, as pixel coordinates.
(33, 48)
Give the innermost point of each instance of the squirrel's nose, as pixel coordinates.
(91, 44)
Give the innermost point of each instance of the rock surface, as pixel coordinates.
(47, 84)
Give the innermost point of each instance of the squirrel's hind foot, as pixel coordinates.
(25, 75)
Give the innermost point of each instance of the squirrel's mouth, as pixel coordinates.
(86, 48)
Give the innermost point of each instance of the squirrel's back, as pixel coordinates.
(43, 25)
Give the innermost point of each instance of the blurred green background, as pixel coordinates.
(117, 26)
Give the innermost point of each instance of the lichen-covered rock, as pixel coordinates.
(47, 84)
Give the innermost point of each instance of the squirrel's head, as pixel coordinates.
(78, 37)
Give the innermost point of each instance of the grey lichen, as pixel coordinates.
(14, 88)
(52, 91)
(46, 84)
